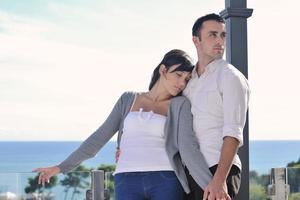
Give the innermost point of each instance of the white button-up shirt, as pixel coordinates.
(219, 99)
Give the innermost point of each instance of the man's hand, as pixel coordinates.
(216, 190)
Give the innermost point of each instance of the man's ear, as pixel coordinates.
(196, 40)
(162, 70)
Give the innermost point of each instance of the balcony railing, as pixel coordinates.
(279, 184)
(95, 185)
(284, 184)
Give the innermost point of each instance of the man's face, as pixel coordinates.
(211, 40)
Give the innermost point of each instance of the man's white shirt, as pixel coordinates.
(219, 99)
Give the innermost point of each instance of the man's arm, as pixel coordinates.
(217, 188)
(229, 150)
(235, 95)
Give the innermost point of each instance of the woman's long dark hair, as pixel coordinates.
(173, 57)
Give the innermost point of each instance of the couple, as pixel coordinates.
(176, 147)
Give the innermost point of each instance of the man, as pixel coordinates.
(219, 96)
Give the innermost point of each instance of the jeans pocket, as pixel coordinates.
(119, 179)
(168, 175)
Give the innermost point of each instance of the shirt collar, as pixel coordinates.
(194, 72)
(211, 67)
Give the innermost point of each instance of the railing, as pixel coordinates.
(278, 184)
(285, 184)
(95, 185)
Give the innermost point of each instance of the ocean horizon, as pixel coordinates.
(24, 156)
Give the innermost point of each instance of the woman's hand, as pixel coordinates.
(46, 173)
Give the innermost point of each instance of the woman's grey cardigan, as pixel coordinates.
(181, 143)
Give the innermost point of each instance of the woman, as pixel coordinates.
(155, 137)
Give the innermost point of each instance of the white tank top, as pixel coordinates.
(143, 143)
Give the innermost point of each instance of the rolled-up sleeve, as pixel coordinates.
(235, 104)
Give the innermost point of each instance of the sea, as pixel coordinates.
(22, 157)
(26, 156)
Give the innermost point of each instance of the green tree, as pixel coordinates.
(294, 176)
(107, 168)
(76, 180)
(35, 187)
(258, 185)
(294, 164)
(294, 196)
(257, 192)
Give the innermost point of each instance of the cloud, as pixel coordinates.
(63, 66)
(12, 24)
(51, 86)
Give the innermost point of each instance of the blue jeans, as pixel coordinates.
(156, 185)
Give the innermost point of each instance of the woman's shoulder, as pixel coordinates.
(128, 94)
(179, 100)
(180, 106)
(126, 97)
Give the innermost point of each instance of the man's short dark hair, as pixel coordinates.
(199, 22)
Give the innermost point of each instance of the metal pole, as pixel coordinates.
(236, 15)
(97, 184)
(279, 188)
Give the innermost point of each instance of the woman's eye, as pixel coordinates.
(178, 74)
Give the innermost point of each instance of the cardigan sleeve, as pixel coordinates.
(189, 147)
(91, 146)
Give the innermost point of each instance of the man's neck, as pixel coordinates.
(201, 65)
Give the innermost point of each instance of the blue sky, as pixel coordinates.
(64, 63)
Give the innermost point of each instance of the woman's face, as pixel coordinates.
(174, 81)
